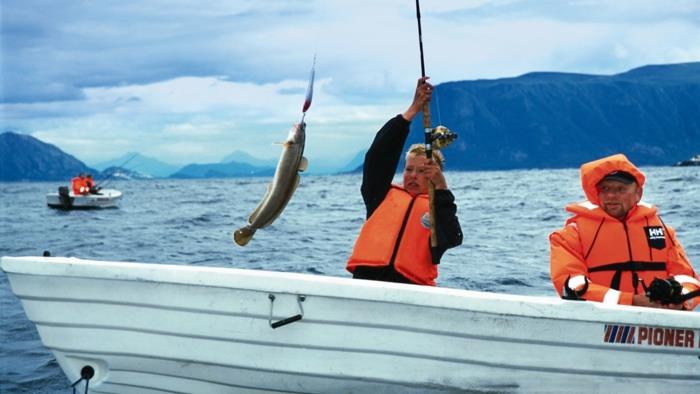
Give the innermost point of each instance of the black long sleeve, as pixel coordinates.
(381, 161)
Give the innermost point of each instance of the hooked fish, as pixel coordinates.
(284, 183)
(286, 178)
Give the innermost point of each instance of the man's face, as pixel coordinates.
(617, 198)
(414, 180)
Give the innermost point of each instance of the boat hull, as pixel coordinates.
(156, 328)
(107, 198)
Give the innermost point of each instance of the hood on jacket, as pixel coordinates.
(592, 173)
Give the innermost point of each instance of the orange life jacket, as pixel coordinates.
(398, 233)
(77, 185)
(616, 256)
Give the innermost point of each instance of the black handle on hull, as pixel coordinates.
(290, 319)
(286, 321)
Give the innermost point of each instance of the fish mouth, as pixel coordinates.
(299, 131)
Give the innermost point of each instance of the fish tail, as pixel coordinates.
(243, 235)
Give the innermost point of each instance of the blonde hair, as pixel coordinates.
(419, 149)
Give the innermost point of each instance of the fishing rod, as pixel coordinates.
(426, 107)
(441, 135)
(114, 171)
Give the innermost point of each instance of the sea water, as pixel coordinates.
(506, 217)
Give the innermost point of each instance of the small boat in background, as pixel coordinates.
(693, 161)
(159, 328)
(66, 199)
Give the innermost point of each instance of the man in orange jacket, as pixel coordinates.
(615, 245)
(394, 242)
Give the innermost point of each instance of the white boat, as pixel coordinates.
(693, 161)
(65, 199)
(157, 328)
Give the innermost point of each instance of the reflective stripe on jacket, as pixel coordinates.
(398, 233)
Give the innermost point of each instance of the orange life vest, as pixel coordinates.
(616, 256)
(619, 255)
(398, 233)
(77, 185)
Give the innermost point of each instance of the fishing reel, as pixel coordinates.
(441, 136)
(664, 291)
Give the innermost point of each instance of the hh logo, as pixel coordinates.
(655, 232)
(655, 236)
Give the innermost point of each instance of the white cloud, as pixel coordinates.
(204, 119)
(186, 80)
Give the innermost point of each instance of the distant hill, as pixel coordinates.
(25, 158)
(140, 164)
(550, 120)
(330, 165)
(355, 165)
(239, 156)
(118, 173)
(222, 170)
(350, 164)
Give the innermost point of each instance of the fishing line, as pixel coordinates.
(437, 103)
(107, 178)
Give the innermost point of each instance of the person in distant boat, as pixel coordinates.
(394, 243)
(78, 184)
(89, 184)
(615, 245)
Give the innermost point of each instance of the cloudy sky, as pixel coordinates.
(192, 81)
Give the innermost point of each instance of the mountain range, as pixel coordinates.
(139, 163)
(221, 170)
(550, 120)
(537, 120)
(25, 158)
(339, 164)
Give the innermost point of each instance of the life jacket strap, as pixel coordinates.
(633, 266)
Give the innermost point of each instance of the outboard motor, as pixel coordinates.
(64, 197)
